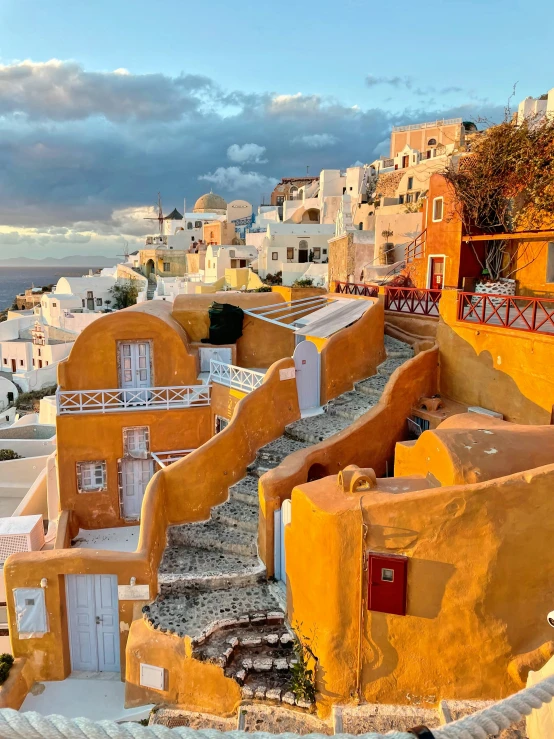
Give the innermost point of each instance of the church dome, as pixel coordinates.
(210, 203)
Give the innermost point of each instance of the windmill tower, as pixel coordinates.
(159, 217)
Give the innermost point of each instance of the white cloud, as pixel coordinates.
(297, 103)
(316, 140)
(382, 148)
(247, 153)
(233, 178)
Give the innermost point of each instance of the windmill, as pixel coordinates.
(159, 217)
(125, 254)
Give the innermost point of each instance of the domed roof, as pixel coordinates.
(210, 203)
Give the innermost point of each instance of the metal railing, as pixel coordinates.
(412, 300)
(429, 124)
(237, 377)
(133, 399)
(416, 248)
(507, 311)
(355, 288)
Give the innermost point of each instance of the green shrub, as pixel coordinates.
(124, 295)
(5, 455)
(6, 661)
(303, 282)
(27, 401)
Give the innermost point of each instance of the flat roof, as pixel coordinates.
(331, 318)
(120, 539)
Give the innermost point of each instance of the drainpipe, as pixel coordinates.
(361, 616)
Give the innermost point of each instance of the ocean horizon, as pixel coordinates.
(15, 280)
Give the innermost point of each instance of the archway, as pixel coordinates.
(150, 268)
(311, 216)
(316, 472)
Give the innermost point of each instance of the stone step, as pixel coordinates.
(316, 429)
(214, 535)
(373, 386)
(185, 568)
(199, 613)
(236, 514)
(395, 348)
(277, 450)
(389, 366)
(351, 405)
(245, 491)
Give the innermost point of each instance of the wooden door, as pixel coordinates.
(14, 365)
(134, 368)
(437, 273)
(135, 476)
(107, 622)
(307, 366)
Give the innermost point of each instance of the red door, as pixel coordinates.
(437, 273)
(387, 584)
(14, 366)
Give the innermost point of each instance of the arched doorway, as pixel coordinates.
(150, 268)
(311, 216)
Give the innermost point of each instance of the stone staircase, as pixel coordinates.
(151, 288)
(213, 586)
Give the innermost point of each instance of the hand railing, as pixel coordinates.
(354, 288)
(237, 377)
(507, 311)
(129, 399)
(413, 300)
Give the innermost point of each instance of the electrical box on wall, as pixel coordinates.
(152, 676)
(387, 583)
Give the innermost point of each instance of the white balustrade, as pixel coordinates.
(131, 399)
(237, 377)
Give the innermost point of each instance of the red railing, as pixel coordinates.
(412, 300)
(508, 311)
(416, 248)
(353, 288)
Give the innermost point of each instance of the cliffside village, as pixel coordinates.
(305, 482)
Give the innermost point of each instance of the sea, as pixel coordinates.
(15, 280)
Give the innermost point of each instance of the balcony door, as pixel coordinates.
(134, 369)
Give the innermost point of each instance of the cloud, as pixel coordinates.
(233, 179)
(382, 148)
(316, 140)
(247, 153)
(96, 168)
(62, 91)
(373, 80)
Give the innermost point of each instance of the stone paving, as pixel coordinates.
(211, 578)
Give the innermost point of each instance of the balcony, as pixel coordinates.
(354, 288)
(239, 378)
(534, 315)
(412, 300)
(135, 399)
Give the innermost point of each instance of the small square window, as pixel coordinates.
(274, 256)
(91, 477)
(99, 301)
(317, 253)
(167, 267)
(325, 251)
(54, 305)
(21, 362)
(401, 199)
(387, 575)
(5, 360)
(437, 209)
(290, 252)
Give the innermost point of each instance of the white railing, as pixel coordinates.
(163, 459)
(237, 377)
(429, 124)
(134, 399)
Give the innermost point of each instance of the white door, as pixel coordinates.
(134, 367)
(93, 616)
(306, 362)
(281, 519)
(135, 476)
(223, 354)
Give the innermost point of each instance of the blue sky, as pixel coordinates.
(103, 104)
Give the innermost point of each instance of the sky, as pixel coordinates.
(104, 104)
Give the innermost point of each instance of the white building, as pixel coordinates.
(92, 290)
(220, 258)
(291, 247)
(536, 108)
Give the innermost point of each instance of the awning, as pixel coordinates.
(330, 319)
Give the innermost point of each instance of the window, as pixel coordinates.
(428, 154)
(39, 352)
(401, 199)
(410, 183)
(5, 360)
(549, 263)
(416, 197)
(360, 226)
(189, 225)
(437, 209)
(432, 142)
(90, 296)
(302, 244)
(274, 256)
(33, 361)
(198, 224)
(317, 253)
(21, 362)
(91, 477)
(290, 252)
(325, 251)
(231, 252)
(409, 197)
(99, 301)
(387, 575)
(136, 441)
(54, 305)
(280, 199)
(83, 302)
(167, 266)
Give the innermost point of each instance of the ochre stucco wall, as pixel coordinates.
(91, 437)
(475, 600)
(16, 687)
(505, 370)
(92, 363)
(368, 442)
